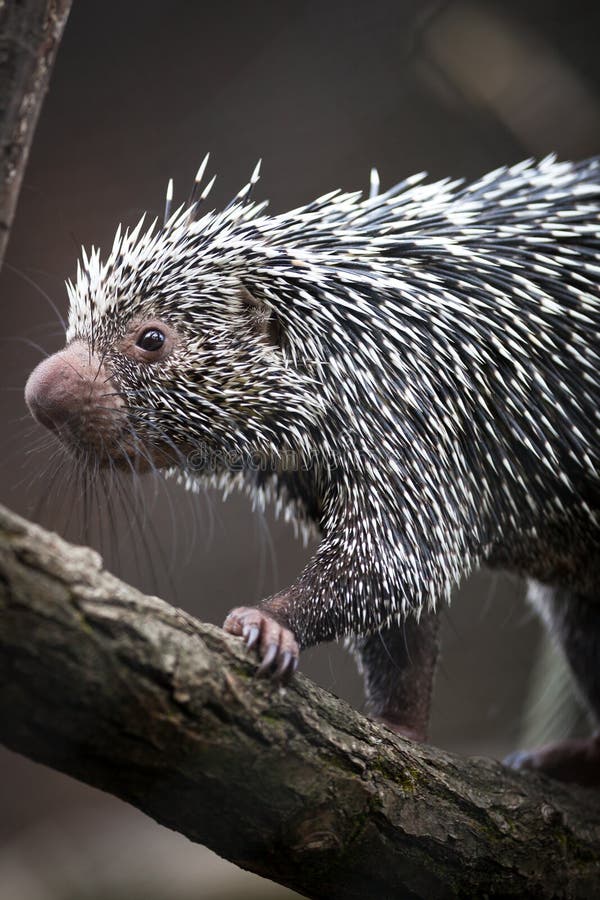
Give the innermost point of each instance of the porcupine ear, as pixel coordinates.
(263, 318)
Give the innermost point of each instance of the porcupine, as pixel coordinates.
(427, 359)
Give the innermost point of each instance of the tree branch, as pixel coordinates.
(30, 32)
(135, 697)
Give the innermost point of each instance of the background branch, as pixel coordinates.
(30, 32)
(133, 696)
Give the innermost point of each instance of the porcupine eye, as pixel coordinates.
(151, 340)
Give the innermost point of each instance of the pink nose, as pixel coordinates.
(72, 394)
(61, 386)
(51, 392)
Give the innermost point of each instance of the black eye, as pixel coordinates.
(152, 340)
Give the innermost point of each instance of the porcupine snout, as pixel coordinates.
(71, 394)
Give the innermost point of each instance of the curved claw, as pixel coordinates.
(275, 644)
(252, 634)
(519, 759)
(268, 659)
(287, 666)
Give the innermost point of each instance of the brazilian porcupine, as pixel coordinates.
(414, 373)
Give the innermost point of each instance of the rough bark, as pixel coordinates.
(30, 32)
(135, 697)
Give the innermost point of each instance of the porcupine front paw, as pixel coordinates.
(275, 644)
(575, 760)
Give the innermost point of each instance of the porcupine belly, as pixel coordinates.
(428, 357)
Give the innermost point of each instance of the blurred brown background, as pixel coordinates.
(320, 91)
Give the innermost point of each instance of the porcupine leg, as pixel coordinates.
(398, 664)
(575, 621)
(325, 603)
